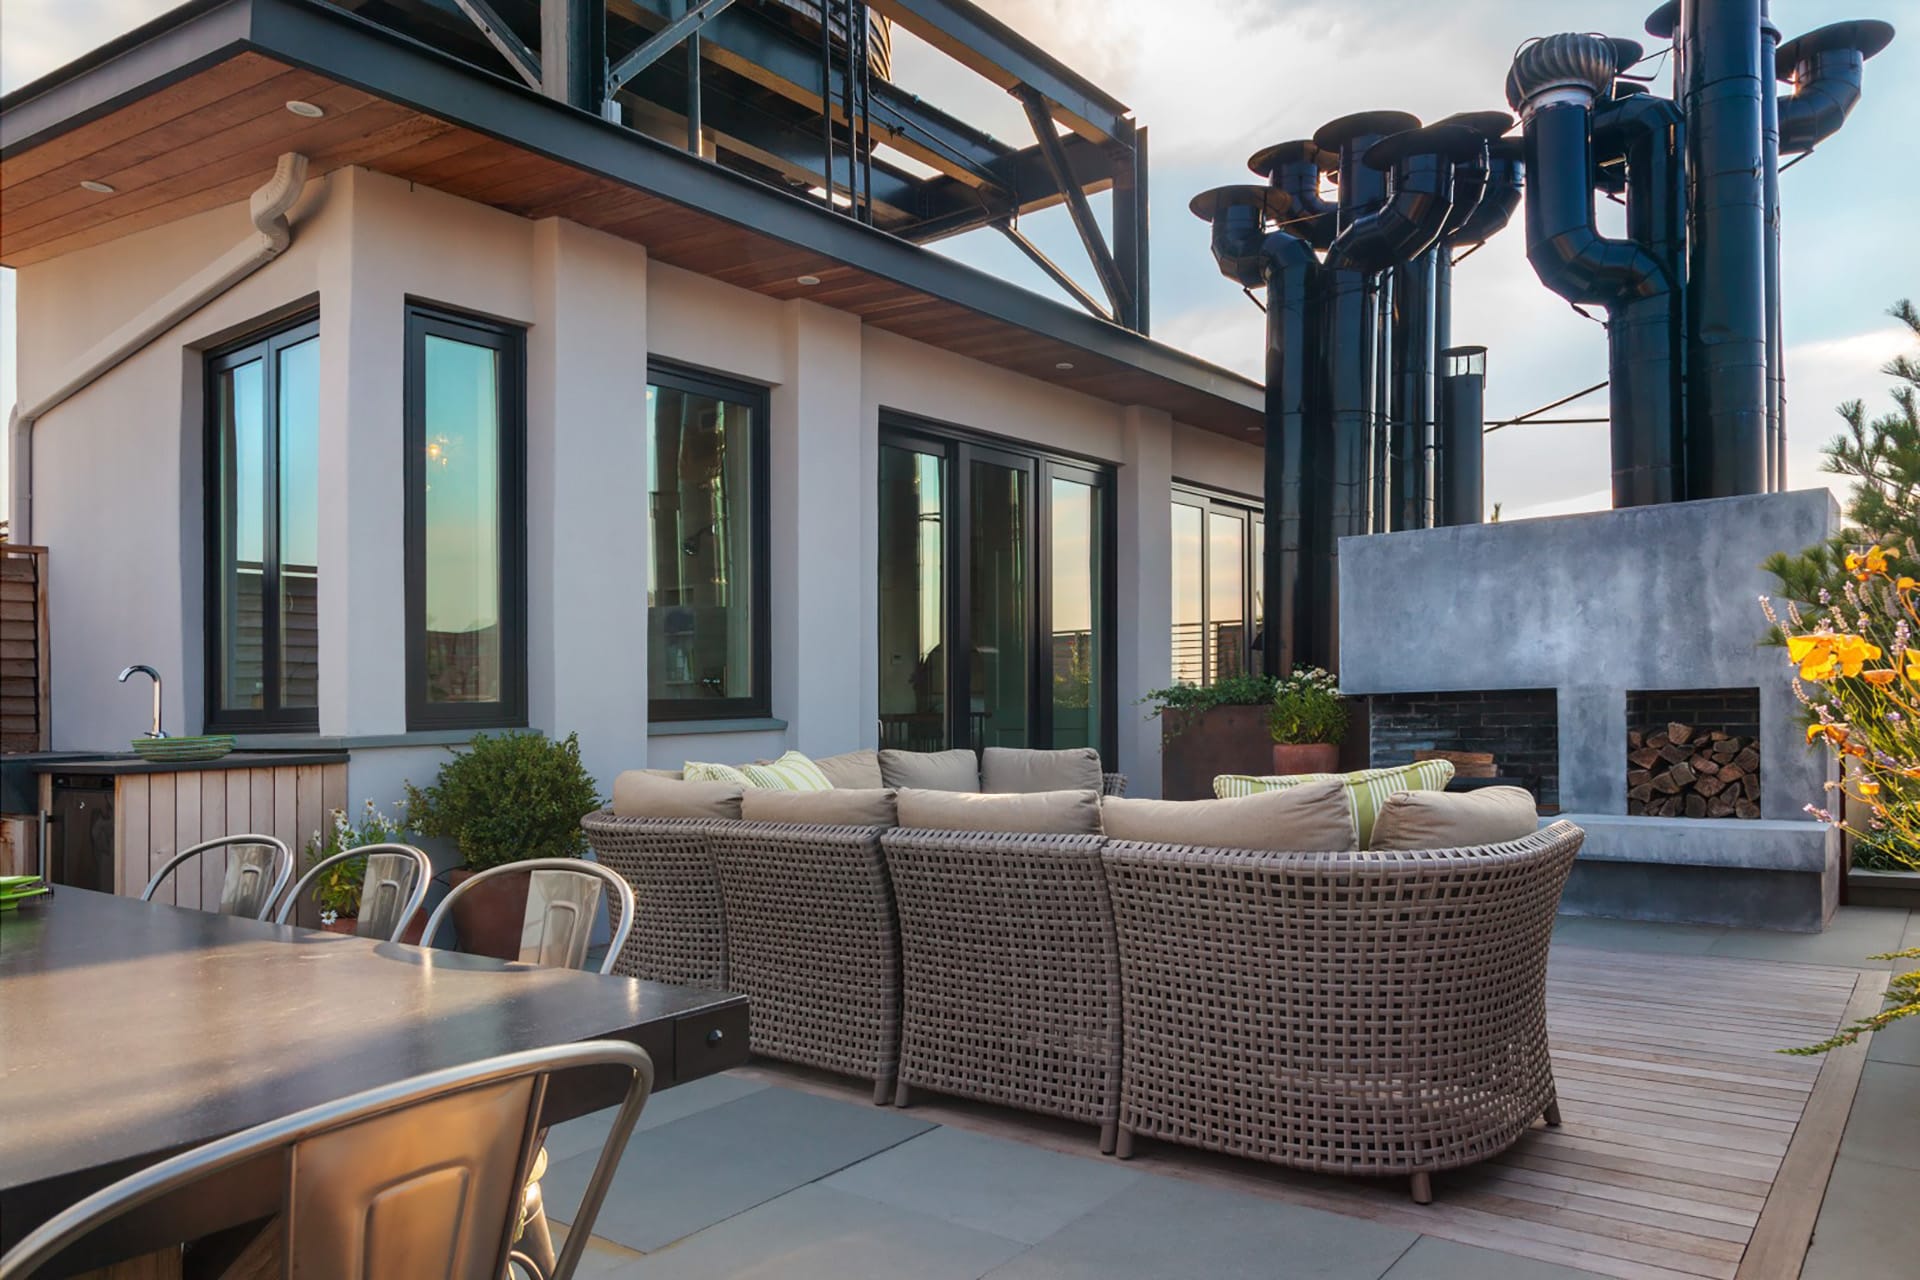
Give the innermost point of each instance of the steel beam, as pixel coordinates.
(573, 52)
(501, 37)
(657, 45)
(1077, 207)
(1052, 269)
(976, 39)
(1130, 238)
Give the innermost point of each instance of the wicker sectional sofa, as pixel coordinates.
(1368, 1013)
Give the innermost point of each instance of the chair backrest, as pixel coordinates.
(563, 900)
(419, 1177)
(257, 870)
(391, 890)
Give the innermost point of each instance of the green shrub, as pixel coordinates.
(1307, 708)
(1246, 690)
(508, 797)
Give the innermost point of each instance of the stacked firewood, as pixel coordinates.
(1678, 772)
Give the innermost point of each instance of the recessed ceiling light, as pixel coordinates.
(99, 188)
(306, 109)
(1063, 364)
(809, 280)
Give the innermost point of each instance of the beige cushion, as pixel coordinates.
(1311, 818)
(856, 770)
(639, 794)
(841, 807)
(1018, 769)
(931, 770)
(676, 774)
(1041, 813)
(1454, 819)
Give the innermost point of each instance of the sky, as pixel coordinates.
(1213, 80)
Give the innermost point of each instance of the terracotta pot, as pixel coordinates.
(488, 919)
(342, 924)
(1195, 746)
(415, 926)
(1305, 757)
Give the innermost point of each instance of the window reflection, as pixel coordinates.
(700, 619)
(299, 492)
(241, 425)
(1074, 565)
(462, 504)
(1189, 621)
(1226, 603)
(913, 587)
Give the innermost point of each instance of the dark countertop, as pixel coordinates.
(131, 763)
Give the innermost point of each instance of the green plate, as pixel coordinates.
(11, 900)
(170, 750)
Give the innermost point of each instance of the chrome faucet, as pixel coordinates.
(146, 670)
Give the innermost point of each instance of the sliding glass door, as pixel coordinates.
(994, 596)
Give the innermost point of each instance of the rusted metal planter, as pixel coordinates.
(1197, 745)
(1305, 757)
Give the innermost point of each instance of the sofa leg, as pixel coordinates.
(900, 1095)
(883, 1093)
(1123, 1144)
(1552, 1114)
(1109, 1137)
(1422, 1188)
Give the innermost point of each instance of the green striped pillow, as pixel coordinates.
(1367, 790)
(698, 771)
(791, 772)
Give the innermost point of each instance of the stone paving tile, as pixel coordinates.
(1853, 935)
(698, 1170)
(816, 1233)
(1867, 1228)
(1898, 1043)
(1433, 1259)
(589, 1131)
(992, 1184)
(1164, 1228)
(1635, 935)
(1884, 1125)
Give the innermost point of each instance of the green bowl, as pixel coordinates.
(209, 746)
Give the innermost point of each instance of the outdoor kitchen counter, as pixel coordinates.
(117, 764)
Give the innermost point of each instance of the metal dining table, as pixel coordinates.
(130, 1031)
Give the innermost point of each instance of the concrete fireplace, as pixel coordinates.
(1618, 614)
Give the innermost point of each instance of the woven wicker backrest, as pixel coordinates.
(1358, 1012)
(813, 942)
(679, 930)
(1012, 987)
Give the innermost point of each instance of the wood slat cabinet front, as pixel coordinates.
(155, 815)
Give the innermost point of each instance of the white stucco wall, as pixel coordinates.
(117, 474)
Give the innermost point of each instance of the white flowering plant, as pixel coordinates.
(337, 889)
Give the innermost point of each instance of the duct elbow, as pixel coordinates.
(1237, 253)
(1238, 216)
(1581, 265)
(270, 203)
(1826, 68)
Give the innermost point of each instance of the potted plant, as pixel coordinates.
(1308, 722)
(1211, 729)
(336, 891)
(503, 798)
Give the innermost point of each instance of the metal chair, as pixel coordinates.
(421, 1176)
(258, 868)
(391, 890)
(563, 899)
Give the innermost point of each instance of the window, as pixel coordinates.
(263, 532)
(708, 643)
(1218, 546)
(996, 594)
(465, 522)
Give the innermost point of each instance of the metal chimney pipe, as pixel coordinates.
(1459, 466)
(1723, 99)
(1298, 629)
(1556, 84)
(1297, 168)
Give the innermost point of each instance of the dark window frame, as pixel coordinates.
(758, 398)
(958, 447)
(264, 345)
(509, 341)
(1252, 512)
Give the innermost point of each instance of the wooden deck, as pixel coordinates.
(1688, 1147)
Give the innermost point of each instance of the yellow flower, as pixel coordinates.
(1906, 584)
(1869, 788)
(1822, 657)
(1834, 733)
(1883, 677)
(1864, 565)
(1913, 665)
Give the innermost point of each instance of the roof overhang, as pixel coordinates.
(185, 112)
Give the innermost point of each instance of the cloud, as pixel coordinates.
(36, 38)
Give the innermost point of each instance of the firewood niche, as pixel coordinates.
(1683, 771)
